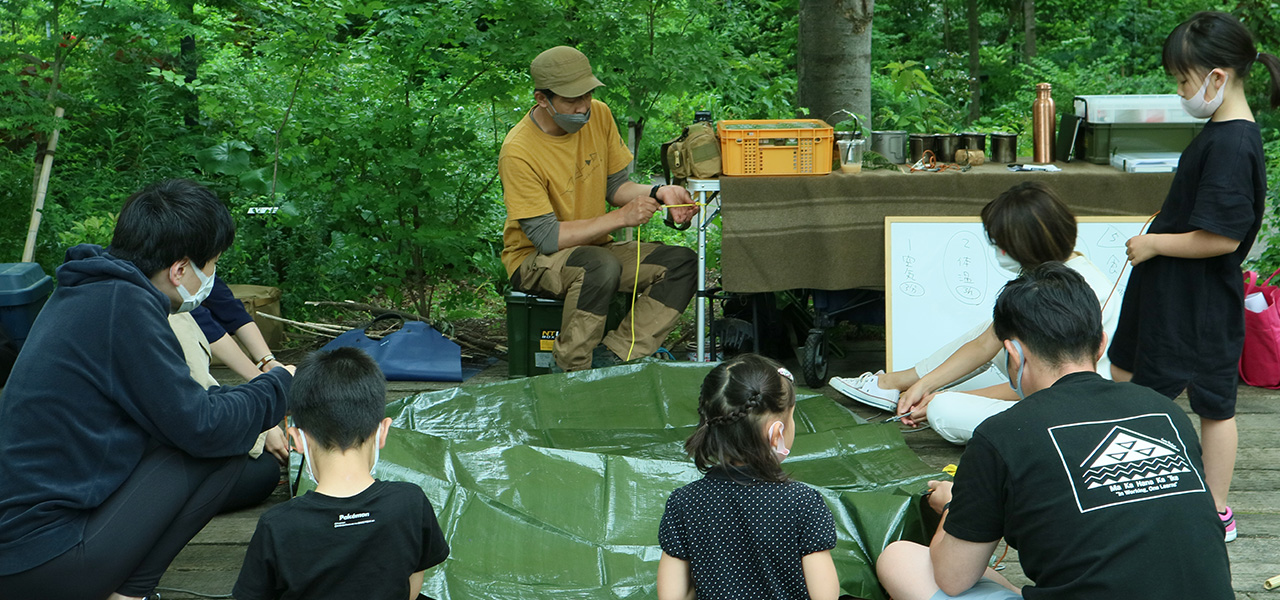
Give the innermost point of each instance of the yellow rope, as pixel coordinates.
(635, 287)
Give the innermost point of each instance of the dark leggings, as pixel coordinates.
(260, 478)
(131, 538)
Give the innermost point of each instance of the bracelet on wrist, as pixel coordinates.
(264, 361)
(653, 191)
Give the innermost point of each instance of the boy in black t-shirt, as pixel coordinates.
(1097, 484)
(354, 536)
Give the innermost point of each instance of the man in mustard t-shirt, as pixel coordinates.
(560, 167)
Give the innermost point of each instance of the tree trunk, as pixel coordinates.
(1029, 28)
(189, 62)
(975, 62)
(834, 63)
(946, 25)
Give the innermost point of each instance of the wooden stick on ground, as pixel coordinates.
(323, 329)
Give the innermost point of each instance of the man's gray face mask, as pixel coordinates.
(571, 123)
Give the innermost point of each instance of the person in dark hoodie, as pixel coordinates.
(111, 456)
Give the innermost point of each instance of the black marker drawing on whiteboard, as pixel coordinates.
(1114, 264)
(911, 286)
(1112, 238)
(964, 268)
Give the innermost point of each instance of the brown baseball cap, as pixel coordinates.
(564, 71)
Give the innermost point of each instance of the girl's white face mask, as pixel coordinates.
(780, 448)
(1200, 108)
(1005, 261)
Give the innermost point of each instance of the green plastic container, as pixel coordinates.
(532, 326)
(1100, 140)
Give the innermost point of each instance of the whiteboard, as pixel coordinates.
(941, 276)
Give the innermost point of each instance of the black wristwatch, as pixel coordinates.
(653, 192)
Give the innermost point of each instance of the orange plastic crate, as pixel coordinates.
(786, 147)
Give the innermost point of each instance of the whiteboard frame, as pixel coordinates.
(888, 261)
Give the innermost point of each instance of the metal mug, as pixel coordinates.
(945, 146)
(1004, 147)
(974, 141)
(918, 143)
(892, 145)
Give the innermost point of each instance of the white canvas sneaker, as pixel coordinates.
(864, 389)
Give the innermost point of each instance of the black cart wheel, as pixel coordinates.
(813, 359)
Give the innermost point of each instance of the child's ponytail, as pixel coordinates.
(1272, 63)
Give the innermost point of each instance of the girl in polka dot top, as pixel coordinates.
(746, 530)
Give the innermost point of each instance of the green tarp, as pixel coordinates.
(552, 487)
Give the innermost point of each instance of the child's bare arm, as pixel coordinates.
(415, 584)
(674, 582)
(1192, 244)
(820, 576)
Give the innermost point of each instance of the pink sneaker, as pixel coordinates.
(1229, 523)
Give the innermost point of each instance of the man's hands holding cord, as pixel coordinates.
(638, 211)
(674, 195)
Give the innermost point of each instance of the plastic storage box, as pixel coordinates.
(790, 147)
(23, 289)
(1098, 141)
(532, 326)
(1134, 108)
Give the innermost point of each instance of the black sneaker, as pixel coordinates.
(602, 356)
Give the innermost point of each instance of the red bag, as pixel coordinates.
(1260, 360)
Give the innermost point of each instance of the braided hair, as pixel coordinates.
(736, 396)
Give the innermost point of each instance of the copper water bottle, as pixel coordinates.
(1042, 124)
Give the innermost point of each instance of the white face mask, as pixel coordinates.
(1015, 380)
(191, 301)
(1005, 261)
(311, 471)
(780, 449)
(1197, 106)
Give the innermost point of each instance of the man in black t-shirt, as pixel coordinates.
(353, 536)
(1098, 485)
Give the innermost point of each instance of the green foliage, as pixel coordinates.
(373, 128)
(911, 101)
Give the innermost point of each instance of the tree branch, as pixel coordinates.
(275, 165)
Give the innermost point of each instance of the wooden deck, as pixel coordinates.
(209, 564)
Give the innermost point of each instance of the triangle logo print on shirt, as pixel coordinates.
(1130, 459)
(1126, 455)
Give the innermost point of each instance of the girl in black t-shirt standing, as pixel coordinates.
(746, 530)
(1182, 321)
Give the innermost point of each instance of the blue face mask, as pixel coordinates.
(1015, 381)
